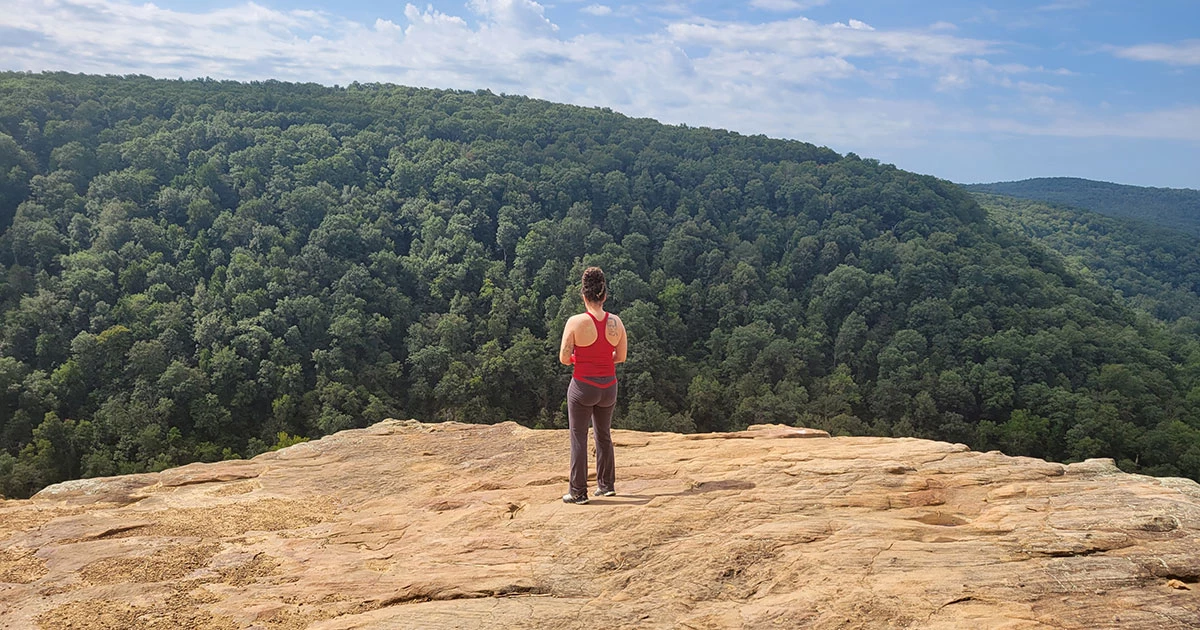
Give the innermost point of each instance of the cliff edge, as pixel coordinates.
(410, 525)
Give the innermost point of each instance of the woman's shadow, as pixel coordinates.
(698, 488)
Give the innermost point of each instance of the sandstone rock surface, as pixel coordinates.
(409, 525)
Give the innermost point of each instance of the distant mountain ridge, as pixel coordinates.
(1176, 208)
(1156, 269)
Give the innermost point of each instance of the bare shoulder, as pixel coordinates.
(576, 321)
(614, 323)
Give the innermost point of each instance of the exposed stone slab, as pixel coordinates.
(416, 525)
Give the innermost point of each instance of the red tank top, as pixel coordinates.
(596, 360)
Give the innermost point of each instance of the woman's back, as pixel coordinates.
(598, 357)
(586, 331)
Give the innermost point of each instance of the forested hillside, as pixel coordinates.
(1155, 269)
(192, 270)
(1175, 208)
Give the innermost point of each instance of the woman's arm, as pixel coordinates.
(567, 347)
(622, 345)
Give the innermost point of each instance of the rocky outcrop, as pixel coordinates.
(409, 525)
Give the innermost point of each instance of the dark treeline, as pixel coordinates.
(1174, 208)
(192, 270)
(1155, 269)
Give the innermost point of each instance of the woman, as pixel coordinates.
(594, 341)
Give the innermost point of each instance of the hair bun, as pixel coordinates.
(594, 287)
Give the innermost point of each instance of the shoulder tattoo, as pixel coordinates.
(612, 326)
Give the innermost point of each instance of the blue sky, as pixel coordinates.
(967, 91)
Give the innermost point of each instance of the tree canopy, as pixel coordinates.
(1155, 269)
(196, 270)
(1174, 208)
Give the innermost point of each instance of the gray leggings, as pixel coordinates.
(588, 404)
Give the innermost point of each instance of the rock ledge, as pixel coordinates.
(413, 525)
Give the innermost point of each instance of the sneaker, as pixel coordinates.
(606, 493)
(576, 499)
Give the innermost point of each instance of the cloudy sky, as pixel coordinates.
(969, 91)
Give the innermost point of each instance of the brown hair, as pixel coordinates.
(594, 287)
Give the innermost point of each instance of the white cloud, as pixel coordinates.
(959, 75)
(952, 81)
(802, 37)
(783, 77)
(786, 5)
(525, 15)
(1065, 5)
(858, 25)
(1181, 123)
(985, 66)
(1185, 53)
(431, 17)
(597, 10)
(1033, 87)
